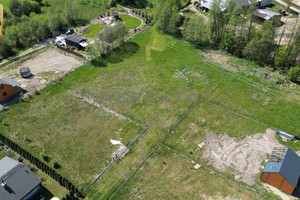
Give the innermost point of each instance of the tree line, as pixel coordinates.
(234, 31)
(42, 166)
(23, 27)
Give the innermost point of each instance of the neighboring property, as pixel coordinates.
(282, 170)
(17, 181)
(205, 5)
(247, 3)
(76, 41)
(264, 14)
(8, 88)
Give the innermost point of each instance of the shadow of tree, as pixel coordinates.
(118, 55)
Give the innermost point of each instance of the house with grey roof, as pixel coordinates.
(206, 4)
(76, 41)
(282, 170)
(247, 3)
(17, 181)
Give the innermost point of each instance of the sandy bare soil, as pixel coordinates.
(217, 57)
(296, 2)
(242, 158)
(45, 67)
(290, 23)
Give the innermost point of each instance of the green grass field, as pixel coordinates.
(94, 30)
(130, 22)
(166, 175)
(147, 63)
(74, 133)
(5, 4)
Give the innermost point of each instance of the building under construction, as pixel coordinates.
(282, 170)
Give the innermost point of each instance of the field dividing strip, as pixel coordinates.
(183, 116)
(106, 168)
(211, 170)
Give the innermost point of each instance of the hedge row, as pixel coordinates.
(42, 166)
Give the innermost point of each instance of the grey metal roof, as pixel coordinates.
(208, 3)
(7, 164)
(74, 38)
(290, 168)
(244, 2)
(19, 180)
(9, 81)
(265, 14)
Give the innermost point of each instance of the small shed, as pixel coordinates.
(282, 170)
(8, 88)
(76, 41)
(264, 14)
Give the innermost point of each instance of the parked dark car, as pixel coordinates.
(70, 32)
(25, 72)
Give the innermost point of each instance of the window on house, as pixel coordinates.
(4, 94)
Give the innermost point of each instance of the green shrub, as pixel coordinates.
(44, 155)
(55, 164)
(36, 92)
(294, 75)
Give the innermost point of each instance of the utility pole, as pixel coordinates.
(1, 20)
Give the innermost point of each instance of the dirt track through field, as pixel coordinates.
(243, 158)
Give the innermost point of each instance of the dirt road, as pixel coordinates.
(46, 66)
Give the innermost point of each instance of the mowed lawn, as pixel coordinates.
(87, 9)
(166, 175)
(74, 133)
(94, 30)
(149, 63)
(130, 22)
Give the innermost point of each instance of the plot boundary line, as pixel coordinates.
(154, 148)
(106, 109)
